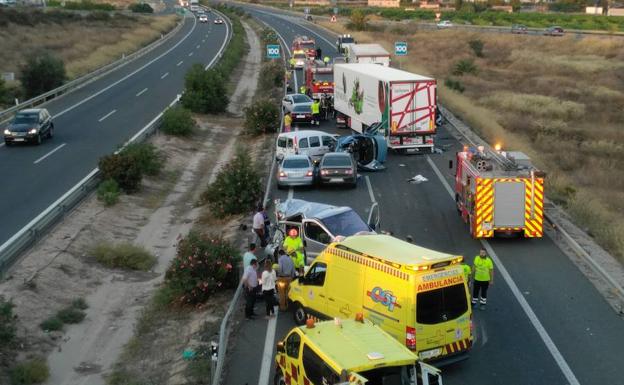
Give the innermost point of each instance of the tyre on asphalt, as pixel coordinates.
(279, 378)
(299, 315)
(38, 140)
(50, 132)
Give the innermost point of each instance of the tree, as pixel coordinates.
(359, 20)
(42, 73)
(205, 91)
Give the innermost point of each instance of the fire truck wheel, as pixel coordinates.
(279, 378)
(299, 314)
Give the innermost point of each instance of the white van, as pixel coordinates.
(308, 142)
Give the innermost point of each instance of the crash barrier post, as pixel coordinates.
(224, 330)
(82, 81)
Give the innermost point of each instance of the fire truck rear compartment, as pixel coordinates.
(509, 204)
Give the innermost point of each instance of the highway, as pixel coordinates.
(95, 120)
(545, 322)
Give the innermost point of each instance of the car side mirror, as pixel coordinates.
(280, 347)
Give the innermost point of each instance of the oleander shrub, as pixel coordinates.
(262, 117)
(147, 156)
(272, 75)
(30, 372)
(205, 91)
(203, 265)
(237, 187)
(108, 192)
(123, 169)
(177, 121)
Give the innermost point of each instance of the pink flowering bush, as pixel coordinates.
(203, 266)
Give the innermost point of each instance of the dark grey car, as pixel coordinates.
(338, 168)
(31, 125)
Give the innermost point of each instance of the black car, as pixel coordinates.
(301, 113)
(30, 125)
(338, 168)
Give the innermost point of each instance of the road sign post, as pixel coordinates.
(273, 51)
(400, 49)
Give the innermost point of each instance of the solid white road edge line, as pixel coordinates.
(267, 354)
(164, 75)
(180, 63)
(370, 189)
(550, 345)
(144, 90)
(106, 116)
(218, 55)
(50, 153)
(129, 75)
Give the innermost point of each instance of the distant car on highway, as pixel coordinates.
(300, 59)
(444, 24)
(554, 31)
(338, 168)
(519, 29)
(203, 19)
(218, 21)
(295, 170)
(291, 100)
(30, 125)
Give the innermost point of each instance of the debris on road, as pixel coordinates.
(418, 179)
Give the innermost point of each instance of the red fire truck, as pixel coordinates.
(319, 79)
(499, 192)
(305, 44)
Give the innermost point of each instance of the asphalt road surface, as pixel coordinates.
(96, 119)
(545, 322)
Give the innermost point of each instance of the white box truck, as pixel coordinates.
(194, 5)
(397, 104)
(366, 53)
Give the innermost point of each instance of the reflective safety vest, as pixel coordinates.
(292, 61)
(467, 271)
(482, 267)
(294, 245)
(302, 89)
(326, 59)
(316, 107)
(287, 120)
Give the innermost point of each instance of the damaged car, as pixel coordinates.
(318, 224)
(368, 150)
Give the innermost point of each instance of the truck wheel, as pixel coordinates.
(299, 314)
(279, 378)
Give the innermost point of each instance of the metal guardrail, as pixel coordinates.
(224, 330)
(88, 78)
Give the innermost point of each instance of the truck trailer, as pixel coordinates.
(499, 192)
(366, 53)
(397, 104)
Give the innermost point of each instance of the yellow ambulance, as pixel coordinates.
(348, 352)
(417, 295)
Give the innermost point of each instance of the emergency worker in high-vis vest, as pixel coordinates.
(483, 277)
(294, 247)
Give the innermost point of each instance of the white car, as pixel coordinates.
(218, 21)
(203, 19)
(291, 100)
(445, 24)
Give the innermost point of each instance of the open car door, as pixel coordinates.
(374, 217)
(429, 375)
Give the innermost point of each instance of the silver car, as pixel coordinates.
(291, 100)
(295, 170)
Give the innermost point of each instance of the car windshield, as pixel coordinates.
(333, 161)
(301, 98)
(347, 40)
(26, 118)
(327, 77)
(296, 163)
(393, 375)
(300, 56)
(302, 108)
(441, 305)
(345, 224)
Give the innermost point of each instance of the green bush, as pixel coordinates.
(30, 372)
(358, 21)
(464, 66)
(123, 169)
(146, 155)
(141, 8)
(71, 315)
(272, 75)
(80, 303)
(205, 91)
(262, 117)
(108, 192)
(42, 73)
(477, 47)
(7, 322)
(454, 85)
(52, 324)
(237, 187)
(177, 121)
(123, 255)
(203, 266)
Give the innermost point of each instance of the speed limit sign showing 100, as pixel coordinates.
(400, 48)
(273, 51)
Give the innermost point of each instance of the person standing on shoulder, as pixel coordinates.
(285, 274)
(258, 225)
(483, 277)
(250, 285)
(249, 255)
(268, 288)
(287, 122)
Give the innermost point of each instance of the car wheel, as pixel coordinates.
(38, 140)
(51, 132)
(299, 315)
(279, 378)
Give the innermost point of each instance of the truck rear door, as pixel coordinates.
(413, 107)
(509, 204)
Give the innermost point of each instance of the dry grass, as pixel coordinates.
(82, 45)
(560, 100)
